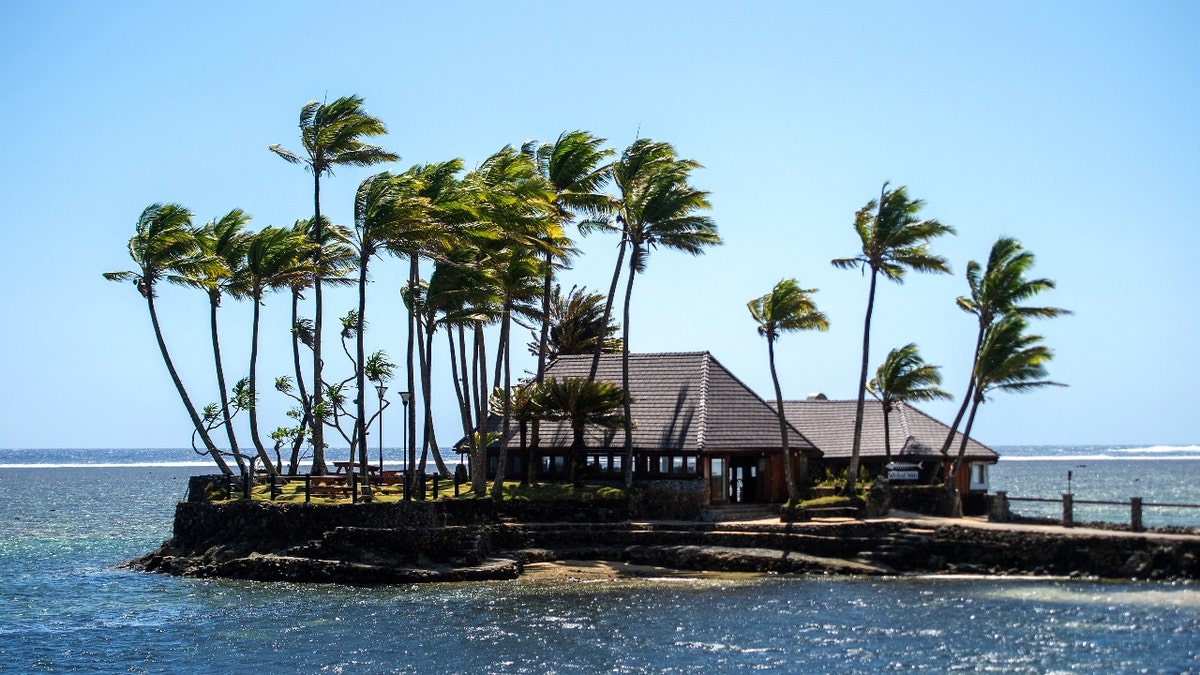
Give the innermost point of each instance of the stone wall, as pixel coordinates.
(668, 499)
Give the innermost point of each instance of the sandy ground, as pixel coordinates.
(600, 570)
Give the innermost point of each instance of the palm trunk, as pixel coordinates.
(540, 377)
(360, 375)
(187, 402)
(414, 277)
(479, 470)
(952, 479)
(792, 486)
(425, 356)
(625, 400)
(214, 300)
(608, 303)
(887, 434)
(852, 472)
(504, 356)
(969, 395)
(318, 421)
(305, 403)
(255, 297)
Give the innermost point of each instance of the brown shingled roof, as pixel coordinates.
(681, 401)
(915, 435)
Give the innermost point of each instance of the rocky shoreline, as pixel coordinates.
(473, 540)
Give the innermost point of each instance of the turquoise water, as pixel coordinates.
(66, 609)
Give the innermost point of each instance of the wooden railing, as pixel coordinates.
(1068, 501)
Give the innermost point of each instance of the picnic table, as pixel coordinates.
(345, 467)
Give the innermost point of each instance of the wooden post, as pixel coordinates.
(307, 488)
(435, 486)
(1068, 519)
(1135, 514)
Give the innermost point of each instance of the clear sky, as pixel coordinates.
(1071, 126)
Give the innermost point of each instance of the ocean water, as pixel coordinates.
(68, 517)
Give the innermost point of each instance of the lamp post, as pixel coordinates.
(409, 460)
(382, 390)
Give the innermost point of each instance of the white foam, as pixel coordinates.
(113, 465)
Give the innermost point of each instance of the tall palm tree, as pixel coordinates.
(904, 376)
(515, 202)
(385, 207)
(787, 308)
(223, 241)
(331, 134)
(1009, 360)
(449, 211)
(582, 403)
(164, 247)
(574, 166)
(656, 207)
(275, 259)
(997, 289)
(894, 240)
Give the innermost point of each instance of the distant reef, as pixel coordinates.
(470, 540)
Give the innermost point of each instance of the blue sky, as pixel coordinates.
(1071, 126)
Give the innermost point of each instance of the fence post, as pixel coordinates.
(1135, 514)
(999, 510)
(1068, 519)
(307, 488)
(435, 486)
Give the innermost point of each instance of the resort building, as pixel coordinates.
(698, 429)
(693, 422)
(915, 437)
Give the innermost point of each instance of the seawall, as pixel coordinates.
(458, 540)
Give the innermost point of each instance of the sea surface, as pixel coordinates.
(68, 517)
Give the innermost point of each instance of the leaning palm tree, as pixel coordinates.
(331, 134)
(1009, 360)
(656, 207)
(893, 240)
(164, 247)
(275, 259)
(787, 308)
(384, 207)
(582, 403)
(574, 166)
(223, 241)
(997, 289)
(904, 376)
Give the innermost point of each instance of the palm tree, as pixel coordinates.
(331, 134)
(997, 289)
(656, 206)
(164, 247)
(785, 309)
(385, 207)
(574, 167)
(893, 240)
(581, 402)
(223, 241)
(904, 376)
(574, 325)
(276, 258)
(448, 211)
(1009, 360)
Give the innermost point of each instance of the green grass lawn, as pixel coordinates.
(514, 491)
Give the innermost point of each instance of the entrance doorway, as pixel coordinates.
(743, 480)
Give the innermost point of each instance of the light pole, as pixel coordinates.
(409, 461)
(382, 390)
